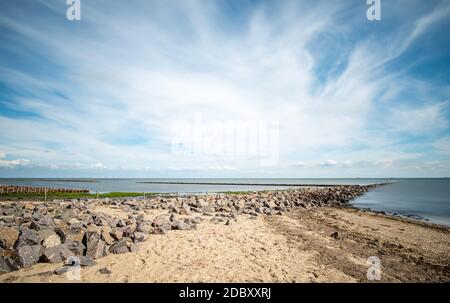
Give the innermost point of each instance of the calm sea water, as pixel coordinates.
(422, 199)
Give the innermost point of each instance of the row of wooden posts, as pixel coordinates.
(9, 189)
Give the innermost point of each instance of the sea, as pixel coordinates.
(417, 199)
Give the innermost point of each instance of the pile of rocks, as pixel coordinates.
(55, 231)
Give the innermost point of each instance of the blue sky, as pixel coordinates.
(97, 97)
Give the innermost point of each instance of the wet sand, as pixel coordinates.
(297, 246)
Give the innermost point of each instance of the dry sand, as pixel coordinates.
(294, 247)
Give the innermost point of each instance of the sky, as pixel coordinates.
(120, 92)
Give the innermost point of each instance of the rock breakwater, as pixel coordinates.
(61, 231)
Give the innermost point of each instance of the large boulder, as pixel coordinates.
(57, 254)
(96, 248)
(26, 256)
(28, 237)
(7, 264)
(8, 236)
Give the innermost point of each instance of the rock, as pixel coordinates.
(61, 234)
(116, 234)
(216, 220)
(96, 248)
(62, 270)
(185, 210)
(159, 231)
(93, 230)
(142, 227)
(106, 236)
(51, 241)
(134, 247)
(162, 221)
(105, 271)
(180, 225)
(77, 247)
(100, 221)
(57, 254)
(35, 226)
(120, 246)
(139, 237)
(8, 236)
(28, 237)
(270, 204)
(228, 222)
(73, 221)
(207, 210)
(26, 256)
(335, 235)
(173, 217)
(29, 206)
(174, 210)
(76, 228)
(7, 264)
(121, 223)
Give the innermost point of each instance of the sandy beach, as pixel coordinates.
(324, 244)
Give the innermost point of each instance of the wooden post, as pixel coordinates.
(144, 195)
(45, 194)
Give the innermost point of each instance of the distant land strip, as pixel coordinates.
(244, 184)
(67, 180)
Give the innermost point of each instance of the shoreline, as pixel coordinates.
(291, 232)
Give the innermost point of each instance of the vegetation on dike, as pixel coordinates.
(50, 196)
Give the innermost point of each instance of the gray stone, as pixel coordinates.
(57, 254)
(76, 247)
(139, 237)
(105, 271)
(62, 270)
(207, 210)
(120, 246)
(142, 227)
(185, 210)
(28, 237)
(95, 248)
(159, 231)
(26, 256)
(162, 221)
(180, 225)
(335, 235)
(134, 247)
(7, 264)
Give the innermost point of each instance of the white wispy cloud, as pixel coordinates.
(125, 73)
